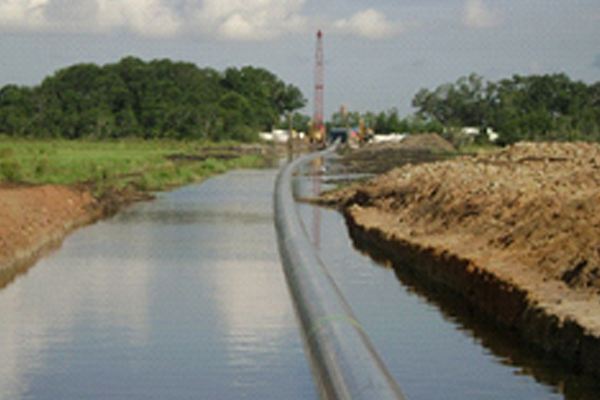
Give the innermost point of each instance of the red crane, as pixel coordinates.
(318, 128)
(317, 135)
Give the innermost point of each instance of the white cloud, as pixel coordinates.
(71, 12)
(226, 19)
(26, 14)
(230, 19)
(145, 17)
(250, 19)
(371, 24)
(476, 14)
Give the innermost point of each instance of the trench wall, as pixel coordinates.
(501, 302)
(20, 259)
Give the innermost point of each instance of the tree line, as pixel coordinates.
(155, 99)
(534, 108)
(166, 99)
(387, 121)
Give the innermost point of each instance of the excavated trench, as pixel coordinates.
(515, 233)
(482, 294)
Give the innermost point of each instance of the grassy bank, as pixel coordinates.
(145, 165)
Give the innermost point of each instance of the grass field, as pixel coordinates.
(149, 165)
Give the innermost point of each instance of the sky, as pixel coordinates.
(378, 53)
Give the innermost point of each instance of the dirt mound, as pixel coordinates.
(428, 141)
(384, 156)
(516, 232)
(540, 202)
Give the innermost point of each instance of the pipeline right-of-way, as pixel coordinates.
(344, 362)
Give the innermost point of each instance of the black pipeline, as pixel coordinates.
(344, 362)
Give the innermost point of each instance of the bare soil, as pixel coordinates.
(377, 158)
(34, 219)
(524, 219)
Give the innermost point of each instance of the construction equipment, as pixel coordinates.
(316, 130)
(365, 134)
(316, 135)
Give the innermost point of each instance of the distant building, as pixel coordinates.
(390, 137)
(471, 131)
(276, 135)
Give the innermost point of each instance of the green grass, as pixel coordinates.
(112, 163)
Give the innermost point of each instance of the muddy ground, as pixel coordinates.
(515, 231)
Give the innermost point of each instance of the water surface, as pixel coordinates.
(184, 298)
(428, 339)
(179, 298)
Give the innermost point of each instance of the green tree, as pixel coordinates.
(270, 99)
(160, 98)
(16, 110)
(538, 107)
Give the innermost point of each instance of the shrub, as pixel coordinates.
(10, 170)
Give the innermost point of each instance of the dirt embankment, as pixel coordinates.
(516, 232)
(377, 158)
(34, 219)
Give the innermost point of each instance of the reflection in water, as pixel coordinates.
(427, 337)
(503, 343)
(316, 171)
(182, 297)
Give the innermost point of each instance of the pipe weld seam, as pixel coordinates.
(331, 319)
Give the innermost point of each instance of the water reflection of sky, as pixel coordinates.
(178, 298)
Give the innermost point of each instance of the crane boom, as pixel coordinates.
(318, 127)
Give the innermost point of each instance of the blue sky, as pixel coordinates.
(378, 53)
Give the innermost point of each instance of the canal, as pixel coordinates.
(184, 298)
(179, 298)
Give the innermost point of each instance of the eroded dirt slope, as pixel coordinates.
(517, 232)
(540, 202)
(33, 216)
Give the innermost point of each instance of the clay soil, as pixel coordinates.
(515, 231)
(35, 219)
